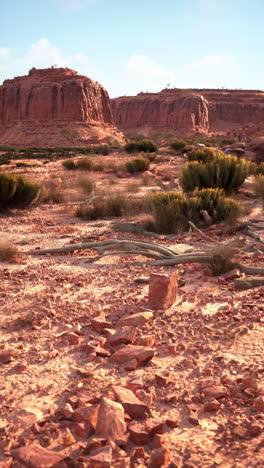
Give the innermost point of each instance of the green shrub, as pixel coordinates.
(16, 191)
(260, 169)
(173, 210)
(224, 171)
(137, 165)
(178, 145)
(85, 164)
(102, 149)
(202, 155)
(170, 210)
(146, 146)
(69, 164)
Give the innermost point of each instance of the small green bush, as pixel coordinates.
(260, 169)
(178, 145)
(69, 164)
(146, 146)
(224, 171)
(137, 165)
(16, 191)
(85, 164)
(170, 210)
(173, 210)
(102, 149)
(202, 155)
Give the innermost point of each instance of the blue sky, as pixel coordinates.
(131, 46)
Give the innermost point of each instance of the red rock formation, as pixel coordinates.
(34, 108)
(188, 110)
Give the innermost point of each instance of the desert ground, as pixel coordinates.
(196, 400)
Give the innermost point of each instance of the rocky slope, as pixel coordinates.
(35, 108)
(189, 110)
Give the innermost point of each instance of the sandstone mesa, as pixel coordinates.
(35, 108)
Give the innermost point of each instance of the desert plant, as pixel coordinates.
(7, 251)
(85, 164)
(69, 164)
(137, 165)
(146, 146)
(260, 169)
(260, 187)
(224, 171)
(102, 149)
(178, 145)
(16, 191)
(86, 184)
(170, 210)
(202, 155)
(173, 210)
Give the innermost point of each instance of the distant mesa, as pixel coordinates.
(186, 111)
(36, 108)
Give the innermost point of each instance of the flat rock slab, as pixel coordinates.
(135, 320)
(111, 421)
(131, 404)
(142, 354)
(35, 456)
(123, 335)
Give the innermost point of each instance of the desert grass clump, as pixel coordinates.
(259, 186)
(16, 191)
(137, 165)
(170, 211)
(8, 251)
(69, 164)
(178, 145)
(145, 146)
(224, 171)
(86, 184)
(260, 169)
(84, 164)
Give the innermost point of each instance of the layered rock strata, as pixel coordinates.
(189, 110)
(35, 108)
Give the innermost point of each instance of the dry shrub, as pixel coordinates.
(86, 184)
(8, 251)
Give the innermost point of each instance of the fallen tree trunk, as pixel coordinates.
(249, 282)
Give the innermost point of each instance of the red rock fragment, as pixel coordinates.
(135, 383)
(35, 456)
(136, 320)
(155, 427)
(159, 457)
(6, 355)
(255, 429)
(211, 405)
(162, 290)
(259, 403)
(145, 340)
(111, 422)
(99, 324)
(6, 463)
(73, 339)
(215, 392)
(146, 397)
(124, 335)
(87, 414)
(132, 405)
(172, 423)
(138, 434)
(138, 452)
(130, 365)
(101, 458)
(240, 431)
(142, 354)
(162, 379)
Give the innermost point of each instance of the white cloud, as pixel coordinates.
(42, 54)
(142, 73)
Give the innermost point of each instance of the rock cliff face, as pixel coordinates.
(35, 108)
(188, 110)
